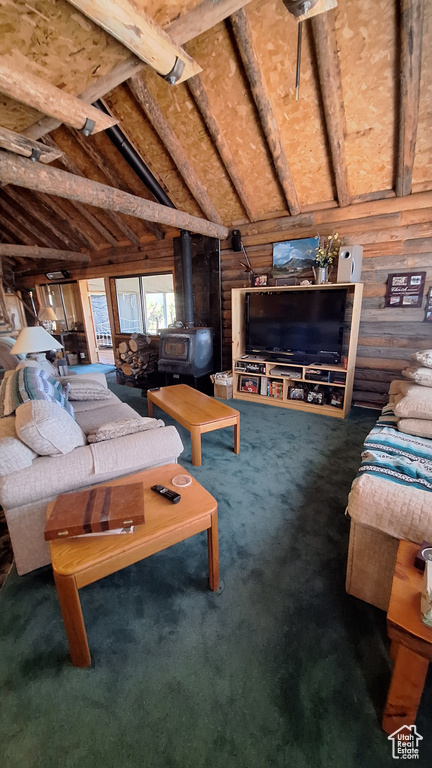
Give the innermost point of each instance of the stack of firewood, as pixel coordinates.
(136, 357)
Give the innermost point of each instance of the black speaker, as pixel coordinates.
(236, 240)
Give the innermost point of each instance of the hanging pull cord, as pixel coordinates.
(299, 45)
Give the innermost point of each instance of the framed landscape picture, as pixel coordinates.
(294, 257)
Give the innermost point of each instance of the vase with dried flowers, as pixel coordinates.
(326, 253)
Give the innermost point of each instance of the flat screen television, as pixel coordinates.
(304, 326)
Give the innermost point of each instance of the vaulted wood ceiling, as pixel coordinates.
(232, 144)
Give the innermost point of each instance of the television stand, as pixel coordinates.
(317, 387)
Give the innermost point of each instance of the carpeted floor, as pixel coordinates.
(280, 669)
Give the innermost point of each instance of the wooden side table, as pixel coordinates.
(82, 560)
(411, 642)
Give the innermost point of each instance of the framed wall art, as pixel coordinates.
(405, 289)
(294, 257)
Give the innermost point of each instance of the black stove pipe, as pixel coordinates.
(116, 135)
(186, 244)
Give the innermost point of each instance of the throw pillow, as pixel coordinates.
(418, 427)
(123, 427)
(424, 357)
(82, 388)
(47, 428)
(422, 376)
(14, 454)
(45, 366)
(416, 404)
(30, 384)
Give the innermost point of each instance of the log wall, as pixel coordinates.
(396, 235)
(394, 240)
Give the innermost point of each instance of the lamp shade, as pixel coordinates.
(47, 314)
(34, 339)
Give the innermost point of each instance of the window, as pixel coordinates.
(145, 303)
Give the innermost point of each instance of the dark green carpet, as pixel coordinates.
(280, 669)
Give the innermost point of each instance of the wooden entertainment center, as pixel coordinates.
(278, 384)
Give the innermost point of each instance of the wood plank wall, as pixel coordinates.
(396, 235)
(394, 240)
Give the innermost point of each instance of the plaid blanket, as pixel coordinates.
(404, 459)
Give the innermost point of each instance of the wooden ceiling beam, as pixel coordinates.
(199, 95)
(192, 24)
(66, 222)
(29, 89)
(24, 220)
(16, 232)
(43, 216)
(70, 166)
(411, 35)
(173, 146)
(140, 34)
(327, 58)
(33, 252)
(21, 145)
(113, 178)
(243, 35)
(24, 173)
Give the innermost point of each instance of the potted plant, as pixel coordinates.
(326, 252)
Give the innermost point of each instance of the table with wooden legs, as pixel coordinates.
(411, 642)
(197, 412)
(80, 561)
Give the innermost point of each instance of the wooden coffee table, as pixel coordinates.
(411, 642)
(196, 412)
(82, 560)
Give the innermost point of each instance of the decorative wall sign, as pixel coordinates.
(294, 257)
(405, 289)
(428, 315)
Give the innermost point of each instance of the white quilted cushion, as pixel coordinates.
(422, 376)
(14, 454)
(424, 357)
(398, 510)
(419, 427)
(123, 427)
(47, 428)
(415, 404)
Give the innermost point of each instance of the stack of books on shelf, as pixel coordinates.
(271, 388)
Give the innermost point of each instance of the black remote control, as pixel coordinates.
(170, 495)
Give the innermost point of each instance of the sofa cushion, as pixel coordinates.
(419, 427)
(31, 384)
(415, 404)
(47, 428)
(122, 427)
(422, 376)
(14, 454)
(83, 388)
(102, 412)
(424, 357)
(80, 406)
(49, 476)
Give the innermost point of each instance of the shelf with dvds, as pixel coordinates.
(318, 386)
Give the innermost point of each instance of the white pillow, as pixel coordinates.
(46, 366)
(422, 376)
(48, 428)
(14, 454)
(82, 388)
(419, 427)
(424, 357)
(416, 404)
(123, 427)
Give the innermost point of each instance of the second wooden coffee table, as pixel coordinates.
(196, 412)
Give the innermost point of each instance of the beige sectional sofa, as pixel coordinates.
(24, 494)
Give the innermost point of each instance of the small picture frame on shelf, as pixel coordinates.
(249, 384)
(336, 399)
(315, 396)
(296, 392)
(260, 280)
